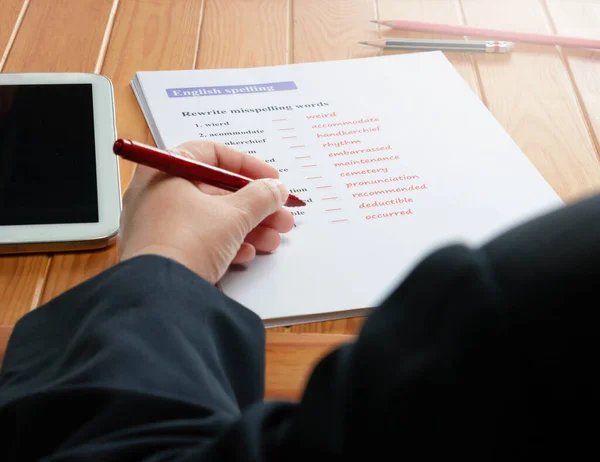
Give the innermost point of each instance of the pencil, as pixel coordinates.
(482, 46)
(524, 37)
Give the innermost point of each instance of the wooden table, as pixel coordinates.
(548, 99)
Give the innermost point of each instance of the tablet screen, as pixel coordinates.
(47, 155)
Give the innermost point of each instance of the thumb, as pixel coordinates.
(258, 200)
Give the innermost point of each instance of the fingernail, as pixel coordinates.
(280, 190)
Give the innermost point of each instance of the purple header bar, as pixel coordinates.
(230, 90)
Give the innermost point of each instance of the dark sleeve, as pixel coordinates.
(480, 354)
(144, 358)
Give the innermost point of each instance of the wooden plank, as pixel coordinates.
(55, 36)
(161, 34)
(532, 97)
(157, 35)
(11, 13)
(238, 34)
(581, 18)
(21, 283)
(70, 269)
(338, 326)
(60, 36)
(291, 359)
(442, 11)
(331, 29)
(5, 332)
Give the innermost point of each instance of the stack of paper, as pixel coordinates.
(395, 156)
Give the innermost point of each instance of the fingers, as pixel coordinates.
(256, 202)
(245, 254)
(281, 221)
(263, 239)
(226, 158)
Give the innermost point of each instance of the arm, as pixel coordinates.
(149, 356)
(145, 351)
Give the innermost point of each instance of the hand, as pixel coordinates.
(200, 226)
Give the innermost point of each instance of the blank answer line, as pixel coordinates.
(284, 129)
(310, 165)
(333, 210)
(303, 157)
(278, 120)
(314, 177)
(329, 198)
(323, 187)
(339, 221)
(288, 137)
(299, 146)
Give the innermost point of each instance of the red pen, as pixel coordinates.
(189, 169)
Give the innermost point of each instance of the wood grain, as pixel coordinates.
(55, 36)
(581, 18)
(21, 283)
(5, 332)
(236, 34)
(291, 359)
(59, 36)
(157, 35)
(10, 10)
(70, 269)
(441, 11)
(331, 29)
(532, 97)
(339, 326)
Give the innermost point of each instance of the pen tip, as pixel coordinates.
(376, 22)
(294, 201)
(363, 43)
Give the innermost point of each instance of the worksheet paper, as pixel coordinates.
(395, 156)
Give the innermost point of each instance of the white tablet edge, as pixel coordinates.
(107, 169)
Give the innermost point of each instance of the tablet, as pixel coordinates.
(59, 179)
